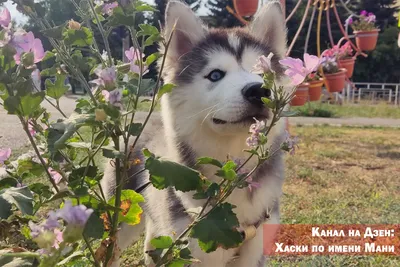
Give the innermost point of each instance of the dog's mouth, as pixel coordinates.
(245, 120)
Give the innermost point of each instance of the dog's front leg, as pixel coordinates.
(252, 251)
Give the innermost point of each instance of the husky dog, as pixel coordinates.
(208, 114)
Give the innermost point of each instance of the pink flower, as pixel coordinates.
(31, 129)
(114, 97)
(133, 55)
(5, 18)
(255, 130)
(364, 13)
(264, 64)
(58, 238)
(349, 21)
(57, 177)
(297, 70)
(25, 42)
(371, 18)
(108, 8)
(106, 78)
(4, 155)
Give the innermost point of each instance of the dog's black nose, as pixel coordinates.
(254, 92)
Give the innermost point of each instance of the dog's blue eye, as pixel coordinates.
(216, 75)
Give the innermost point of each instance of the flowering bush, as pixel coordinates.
(330, 65)
(81, 224)
(343, 52)
(366, 22)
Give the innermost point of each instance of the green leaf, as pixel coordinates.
(55, 33)
(81, 37)
(5, 208)
(208, 160)
(268, 102)
(140, 7)
(73, 256)
(162, 242)
(111, 153)
(131, 211)
(135, 129)
(165, 173)
(59, 195)
(218, 229)
(94, 228)
(49, 55)
(29, 166)
(152, 39)
(24, 105)
(166, 88)
(147, 29)
(153, 57)
(60, 132)
(119, 18)
(20, 197)
(57, 89)
(228, 171)
(82, 145)
(213, 190)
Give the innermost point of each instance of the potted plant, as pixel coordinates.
(365, 31)
(315, 86)
(346, 59)
(301, 95)
(335, 76)
(245, 8)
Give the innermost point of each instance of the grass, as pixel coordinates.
(339, 175)
(365, 110)
(342, 176)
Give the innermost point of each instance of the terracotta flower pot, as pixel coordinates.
(301, 95)
(348, 64)
(335, 82)
(246, 8)
(315, 89)
(366, 40)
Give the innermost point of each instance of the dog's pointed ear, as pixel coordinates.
(186, 27)
(269, 26)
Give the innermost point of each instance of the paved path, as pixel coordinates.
(12, 135)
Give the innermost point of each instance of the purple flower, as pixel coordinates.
(364, 13)
(74, 215)
(297, 70)
(134, 55)
(5, 18)
(52, 221)
(25, 42)
(57, 177)
(106, 78)
(257, 127)
(108, 8)
(264, 64)
(252, 141)
(114, 97)
(46, 235)
(4, 155)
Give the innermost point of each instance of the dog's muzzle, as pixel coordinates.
(254, 92)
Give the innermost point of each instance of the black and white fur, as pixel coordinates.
(205, 118)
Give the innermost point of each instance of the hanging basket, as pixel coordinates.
(245, 8)
(315, 89)
(367, 40)
(301, 95)
(348, 64)
(335, 82)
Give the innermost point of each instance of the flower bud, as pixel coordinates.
(100, 115)
(28, 59)
(73, 25)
